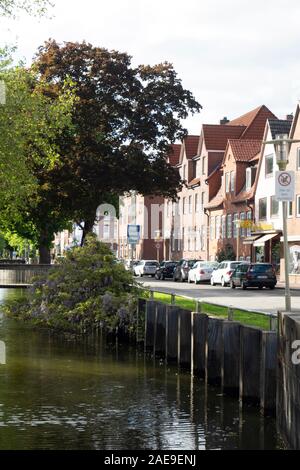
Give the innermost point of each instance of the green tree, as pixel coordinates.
(124, 119)
(33, 7)
(30, 122)
(226, 253)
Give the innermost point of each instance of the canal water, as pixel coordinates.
(69, 394)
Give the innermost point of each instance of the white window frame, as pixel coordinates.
(227, 182)
(243, 230)
(248, 178)
(232, 181)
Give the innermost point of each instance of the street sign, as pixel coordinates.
(133, 234)
(285, 185)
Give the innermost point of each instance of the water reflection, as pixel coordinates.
(65, 394)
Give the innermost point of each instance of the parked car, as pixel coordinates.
(182, 269)
(166, 270)
(130, 264)
(202, 271)
(146, 268)
(254, 275)
(222, 274)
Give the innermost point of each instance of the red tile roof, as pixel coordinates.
(191, 143)
(244, 195)
(254, 121)
(244, 150)
(194, 182)
(174, 154)
(216, 135)
(216, 201)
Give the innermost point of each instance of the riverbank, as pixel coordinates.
(90, 394)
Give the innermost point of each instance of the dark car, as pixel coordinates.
(166, 270)
(254, 275)
(182, 269)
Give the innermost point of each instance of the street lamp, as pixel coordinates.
(282, 145)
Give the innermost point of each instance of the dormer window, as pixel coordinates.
(227, 182)
(232, 181)
(248, 179)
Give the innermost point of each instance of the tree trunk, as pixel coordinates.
(44, 254)
(88, 228)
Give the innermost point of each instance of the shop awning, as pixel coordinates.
(262, 240)
(250, 240)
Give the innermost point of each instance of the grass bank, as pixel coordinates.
(245, 317)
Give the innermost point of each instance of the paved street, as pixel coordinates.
(262, 300)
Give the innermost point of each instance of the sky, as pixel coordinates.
(233, 55)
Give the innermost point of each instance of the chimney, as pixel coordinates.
(289, 117)
(224, 120)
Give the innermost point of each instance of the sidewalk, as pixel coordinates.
(281, 285)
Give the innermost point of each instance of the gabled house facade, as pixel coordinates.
(234, 202)
(293, 221)
(268, 211)
(231, 187)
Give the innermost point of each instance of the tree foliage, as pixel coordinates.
(30, 123)
(87, 289)
(125, 119)
(226, 253)
(33, 7)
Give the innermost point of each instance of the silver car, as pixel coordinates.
(146, 268)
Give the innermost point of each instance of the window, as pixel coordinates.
(235, 225)
(243, 230)
(290, 208)
(298, 206)
(262, 208)
(189, 239)
(298, 159)
(106, 232)
(212, 227)
(232, 181)
(218, 227)
(249, 217)
(202, 200)
(223, 226)
(183, 239)
(203, 165)
(179, 244)
(248, 178)
(197, 238)
(173, 239)
(203, 233)
(190, 204)
(274, 207)
(196, 202)
(227, 182)
(183, 205)
(269, 165)
(229, 226)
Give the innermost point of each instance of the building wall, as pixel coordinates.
(148, 212)
(191, 224)
(266, 188)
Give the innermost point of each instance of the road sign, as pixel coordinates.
(133, 234)
(285, 185)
